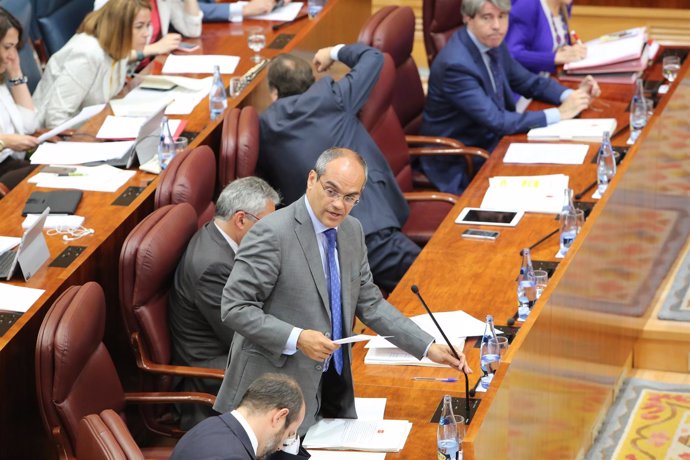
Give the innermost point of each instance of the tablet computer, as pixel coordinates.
(477, 216)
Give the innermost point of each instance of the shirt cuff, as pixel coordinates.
(426, 352)
(291, 344)
(565, 94)
(335, 50)
(235, 12)
(552, 116)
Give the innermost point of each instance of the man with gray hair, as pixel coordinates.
(471, 92)
(199, 338)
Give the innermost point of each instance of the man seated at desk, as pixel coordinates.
(471, 89)
(308, 117)
(198, 336)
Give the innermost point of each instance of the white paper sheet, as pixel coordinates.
(200, 63)
(86, 113)
(370, 408)
(101, 178)
(54, 221)
(75, 153)
(193, 84)
(285, 13)
(18, 298)
(115, 127)
(8, 242)
(366, 435)
(578, 129)
(345, 455)
(541, 194)
(142, 102)
(564, 154)
(398, 357)
(355, 338)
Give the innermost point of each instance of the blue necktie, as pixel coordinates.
(334, 295)
(498, 75)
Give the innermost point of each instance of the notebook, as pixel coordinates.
(59, 202)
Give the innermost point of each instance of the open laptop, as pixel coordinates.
(146, 144)
(30, 254)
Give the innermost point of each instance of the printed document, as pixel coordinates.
(543, 194)
(578, 129)
(355, 434)
(562, 154)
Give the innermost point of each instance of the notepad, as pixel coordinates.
(542, 194)
(365, 435)
(563, 154)
(579, 129)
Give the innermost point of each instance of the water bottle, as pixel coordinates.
(568, 204)
(526, 286)
(166, 145)
(447, 434)
(314, 7)
(606, 164)
(217, 98)
(488, 359)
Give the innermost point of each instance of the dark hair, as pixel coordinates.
(274, 391)
(289, 75)
(7, 22)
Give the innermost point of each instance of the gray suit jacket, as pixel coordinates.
(278, 283)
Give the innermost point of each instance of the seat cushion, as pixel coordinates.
(424, 219)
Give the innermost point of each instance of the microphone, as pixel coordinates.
(415, 290)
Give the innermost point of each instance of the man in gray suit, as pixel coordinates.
(300, 277)
(199, 338)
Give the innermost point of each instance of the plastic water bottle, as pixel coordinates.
(166, 145)
(314, 7)
(526, 286)
(568, 232)
(489, 359)
(447, 434)
(217, 98)
(568, 204)
(606, 164)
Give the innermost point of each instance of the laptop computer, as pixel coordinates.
(30, 254)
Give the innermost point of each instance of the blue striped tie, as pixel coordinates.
(497, 72)
(334, 295)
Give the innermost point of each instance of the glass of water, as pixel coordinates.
(571, 223)
(541, 279)
(256, 41)
(671, 66)
(491, 352)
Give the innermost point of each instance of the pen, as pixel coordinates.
(287, 23)
(575, 37)
(436, 379)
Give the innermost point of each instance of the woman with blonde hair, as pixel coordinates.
(92, 67)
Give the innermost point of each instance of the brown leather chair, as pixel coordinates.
(75, 375)
(427, 209)
(105, 436)
(440, 19)
(391, 29)
(239, 147)
(190, 178)
(148, 260)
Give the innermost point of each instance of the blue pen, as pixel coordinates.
(436, 379)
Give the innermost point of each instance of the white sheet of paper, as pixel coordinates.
(101, 178)
(54, 221)
(578, 129)
(192, 84)
(8, 242)
(86, 113)
(200, 63)
(370, 408)
(564, 154)
(355, 434)
(355, 338)
(115, 127)
(398, 357)
(285, 13)
(142, 102)
(345, 455)
(75, 153)
(18, 298)
(541, 194)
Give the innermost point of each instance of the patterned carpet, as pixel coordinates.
(648, 421)
(676, 306)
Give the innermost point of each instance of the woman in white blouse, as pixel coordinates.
(17, 112)
(92, 67)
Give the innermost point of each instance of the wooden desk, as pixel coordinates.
(21, 429)
(562, 370)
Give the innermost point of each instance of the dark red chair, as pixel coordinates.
(391, 29)
(427, 208)
(239, 147)
(440, 19)
(190, 178)
(148, 260)
(105, 436)
(75, 375)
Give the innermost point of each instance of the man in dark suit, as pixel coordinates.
(471, 88)
(267, 416)
(306, 118)
(300, 278)
(234, 12)
(199, 338)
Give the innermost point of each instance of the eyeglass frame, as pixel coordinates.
(249, 214)
(334, 195)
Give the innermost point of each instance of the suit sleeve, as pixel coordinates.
(256, 270)
(215, 12)
(209, 293)
(525, 43)
(532, 85)
(365, 62)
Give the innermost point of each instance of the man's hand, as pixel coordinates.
(590, 85)
(322, 59)
(315, 345)
(572, 53)
(19, 142)
(578, 101)
(443, 355)
(165, 45)
(256, 7)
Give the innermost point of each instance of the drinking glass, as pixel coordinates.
(235, 87)
(638, 114)
(491, 352)
(256, 41)
(671, 66)
(460, 424)
(181, 144)
(541, 278)
(571, 223)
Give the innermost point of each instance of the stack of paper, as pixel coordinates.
(142, 102)
(578, 129)
(17, 298)
(76, 153)
(200, 63)
(102, 178)
(365, 435)
(526, 193)
(562, 154)
(125, 128)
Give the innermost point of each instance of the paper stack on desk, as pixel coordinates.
(143, 102)
(356, 434)
(578, 129)
(562, 154)
(542, 194)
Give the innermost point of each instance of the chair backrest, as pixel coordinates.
(21, 9)
(105, 436)
(239, 147)
(190, 178)
(58, 20)
(75, 375)
(440, 18)
(379, 118)
(148, 259)
(391, 29)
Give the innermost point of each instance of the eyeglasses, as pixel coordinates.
(333, 194)
(250, 215)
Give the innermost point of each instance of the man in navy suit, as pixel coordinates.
(266, 418)
(471, 88)
(233, 12)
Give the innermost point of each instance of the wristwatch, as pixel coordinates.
(23, 80)
(140, 56)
